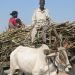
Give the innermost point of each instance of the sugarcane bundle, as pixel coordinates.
(9, 40)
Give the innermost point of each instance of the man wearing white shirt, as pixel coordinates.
(40, 19)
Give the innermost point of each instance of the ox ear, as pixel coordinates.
(46, 51)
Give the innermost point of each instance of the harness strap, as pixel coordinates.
(54, 64)
(47, 59)
(50, 59)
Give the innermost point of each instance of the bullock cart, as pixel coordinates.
(56, 34)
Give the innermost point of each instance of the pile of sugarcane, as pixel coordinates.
(67, 30)
(9, 40)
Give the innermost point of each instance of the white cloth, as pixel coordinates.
(40, 16)
(39, 19)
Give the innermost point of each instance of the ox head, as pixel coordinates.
(62, 55)
(61, 58)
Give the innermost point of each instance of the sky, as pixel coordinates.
(59, 10)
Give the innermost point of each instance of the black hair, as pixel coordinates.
(13, 13)
(18, 21)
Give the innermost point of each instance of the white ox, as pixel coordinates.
(31, 60)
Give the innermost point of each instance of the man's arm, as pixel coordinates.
(48, 18)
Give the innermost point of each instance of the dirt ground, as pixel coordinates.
(63, 73)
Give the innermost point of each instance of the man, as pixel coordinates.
(14, 22)
(40, 19)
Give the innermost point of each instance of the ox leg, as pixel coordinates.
(11, 71)
(20, 72)
(12, 68)
(35, 73)
(13, 65)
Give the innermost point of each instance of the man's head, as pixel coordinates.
(42, 4)
(14, 14)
